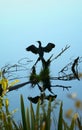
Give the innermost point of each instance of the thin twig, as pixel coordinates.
(61, 86)
(63, 50)
(64, 78)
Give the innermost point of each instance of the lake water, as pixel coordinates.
(22, 23)
(56, 66)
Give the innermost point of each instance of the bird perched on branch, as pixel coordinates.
(40, 50)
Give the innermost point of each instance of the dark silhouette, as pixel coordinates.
(33, 78)
(34, 99)
(11, 88)
(37, 98)
(1, 90)
(51, 97)
(40, 50)
(46, 75)
(74, 70)
(42, 97)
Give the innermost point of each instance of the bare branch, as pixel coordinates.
(63, 50)
(64, 78)
(74, 68)
(23, 60)
(17, 86)
(62, 86)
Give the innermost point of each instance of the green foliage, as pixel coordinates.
(6, 120)
(60, 118)
(42, 120)
(44, 74)
(34, 78)
(36, 120)
(23, 113)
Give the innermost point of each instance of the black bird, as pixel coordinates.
(40, 50)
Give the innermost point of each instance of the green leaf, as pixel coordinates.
(72, 125)
(15, 125)
(37, 115)
(60, 126)
(32, 117)
(23, 113)
(27, 119)
(49, 115)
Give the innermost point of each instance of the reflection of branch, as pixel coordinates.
(9, 71)
(75, 64)
(64, 78)
(12, 68)
(61, 52)
(19, 77)
(65, 68)
(27, 60)
(74, 68)
(61, 86)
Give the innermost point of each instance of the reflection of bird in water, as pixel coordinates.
(40, 50)
(51, 97)
(34, 99)
(42, 97)
(37, 98)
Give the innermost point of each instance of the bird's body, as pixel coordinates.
(40, 50)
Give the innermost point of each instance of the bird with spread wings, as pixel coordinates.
(40, 50)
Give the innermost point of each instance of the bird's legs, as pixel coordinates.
(37, 61)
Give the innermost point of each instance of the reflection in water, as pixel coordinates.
(42, 97)
(43, 80)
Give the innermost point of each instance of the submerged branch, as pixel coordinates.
(64, 78)
(61, 86)
(18, 86)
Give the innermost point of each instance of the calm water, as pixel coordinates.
(14, 96)
(23, 22)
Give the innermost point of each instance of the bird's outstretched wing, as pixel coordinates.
(34, 99)
(51, 97)
(33, 49)
(49, 47)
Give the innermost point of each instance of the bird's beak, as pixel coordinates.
(37, 41)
